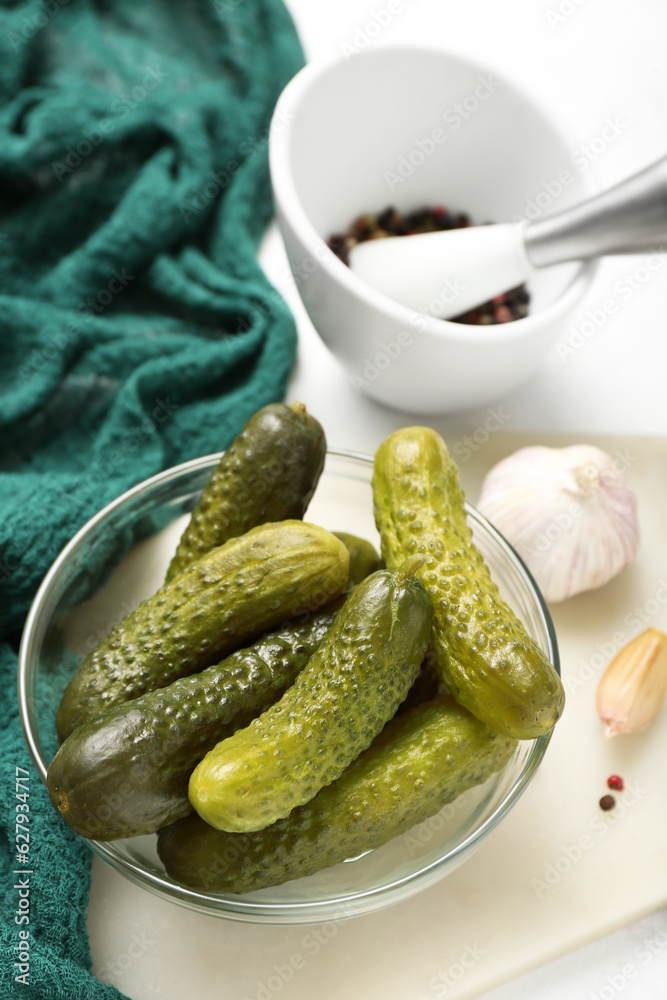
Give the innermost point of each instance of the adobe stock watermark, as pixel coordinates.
(454, 118)
(311, 944)
(34, 22)
(389, 352)
(24, 846)
(39, 357)
(131, 439)
(136, 949)
(296, 275)
(448, 979)
(218, 181)
(558, 15)
(121, 107)
(95, 304)
(551, 189)
(126, 608)
(8, 566)
(571, 854)
(224, 8)
(469, 444)
(625, 288)
(590, 151)
(651, 948)
(440, 305)
(299, 273)
(639, 618)
(423, 834)
(370, 29)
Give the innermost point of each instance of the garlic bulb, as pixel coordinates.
(568, 512)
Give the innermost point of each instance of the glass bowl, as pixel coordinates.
(120, 557)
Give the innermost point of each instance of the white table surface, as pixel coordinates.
(592, 60)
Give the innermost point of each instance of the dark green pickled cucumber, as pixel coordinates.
(482, 651)
(421, 761)
(223, 601)
(126, 772)
(352, 685)
(268, 473)
(425, 687)
(364, 560)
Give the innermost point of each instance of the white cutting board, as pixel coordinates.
(557, 873)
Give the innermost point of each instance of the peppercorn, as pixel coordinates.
(512, 305)
(607, 802)
(502, 314)
(616, 783)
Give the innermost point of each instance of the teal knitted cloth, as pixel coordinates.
(136, 327)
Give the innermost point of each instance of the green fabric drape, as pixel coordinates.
(136, 327)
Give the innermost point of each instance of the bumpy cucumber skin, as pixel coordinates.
(364, 560)
(125, 773)
(421, 761)
(223, 601)
(482, 650)
(268, 473)
(352, 685)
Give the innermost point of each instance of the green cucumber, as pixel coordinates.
(483, 653)
(231, 595)
(364, 559)
(352, 685)
(421, 761)
(126, 772)
(268, 473)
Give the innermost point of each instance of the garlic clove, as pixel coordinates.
(634, 685)
(569, 513)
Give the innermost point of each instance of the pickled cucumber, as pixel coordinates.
(483, 653)
(421, 761)
(352, 685)
(364, 559)
(219, 603)
(126, 772)
(268, 473)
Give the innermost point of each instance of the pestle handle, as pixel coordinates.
(627, 218)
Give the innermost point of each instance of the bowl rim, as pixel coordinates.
(238, 907)
(290, 207)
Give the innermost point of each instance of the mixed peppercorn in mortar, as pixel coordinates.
(504, 308)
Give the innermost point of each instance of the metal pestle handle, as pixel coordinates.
(629, 217)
